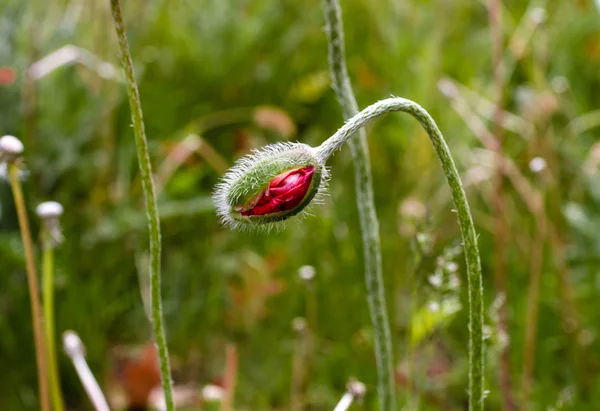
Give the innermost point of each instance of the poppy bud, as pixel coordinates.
(269, 185)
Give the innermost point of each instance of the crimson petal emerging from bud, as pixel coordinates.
(270, 185)
(284, 192)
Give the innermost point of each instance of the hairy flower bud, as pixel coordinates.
(269, 185)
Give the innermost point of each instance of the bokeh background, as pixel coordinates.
(218, 78)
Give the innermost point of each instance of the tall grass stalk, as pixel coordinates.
(469, 235)
(48, 303)
(34, 289)
(230, 378)
(151, 206)
(533, 305)
(300, 364)
(366, 208)
(501, 228)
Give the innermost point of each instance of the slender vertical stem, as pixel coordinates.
(469, 235)
(300, 364)
(34, 290)
(48, 303)
(366, 208)
(570, 315)
(500, 232)
(151, 206)
(533, 304)
(231, 370)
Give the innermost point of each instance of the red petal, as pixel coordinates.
(284, 192)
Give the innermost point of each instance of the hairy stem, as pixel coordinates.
(34, 289)
(475, 284)
(151, 206)
(366, 208)
(48, 303)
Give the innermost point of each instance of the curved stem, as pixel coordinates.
(151, 206)
(475, 285)
(34, 289)
(366, 208)
(48, 304)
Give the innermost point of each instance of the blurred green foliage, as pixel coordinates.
(240, 74)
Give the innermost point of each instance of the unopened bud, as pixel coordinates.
(270, 185)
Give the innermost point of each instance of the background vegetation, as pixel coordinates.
(218, 78)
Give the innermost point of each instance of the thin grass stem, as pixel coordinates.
(34, 289)
(48, 304)
(152, 209)
(366, 208)
(501, 227)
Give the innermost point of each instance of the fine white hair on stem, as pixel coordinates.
(76, 351)
(252, 174)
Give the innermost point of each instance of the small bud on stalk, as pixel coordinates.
(50, 212)
(10, 148)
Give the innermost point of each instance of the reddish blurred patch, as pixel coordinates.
(367, 78)
(243, 141)
(139, 376)
(8, 75)
(273, 118)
